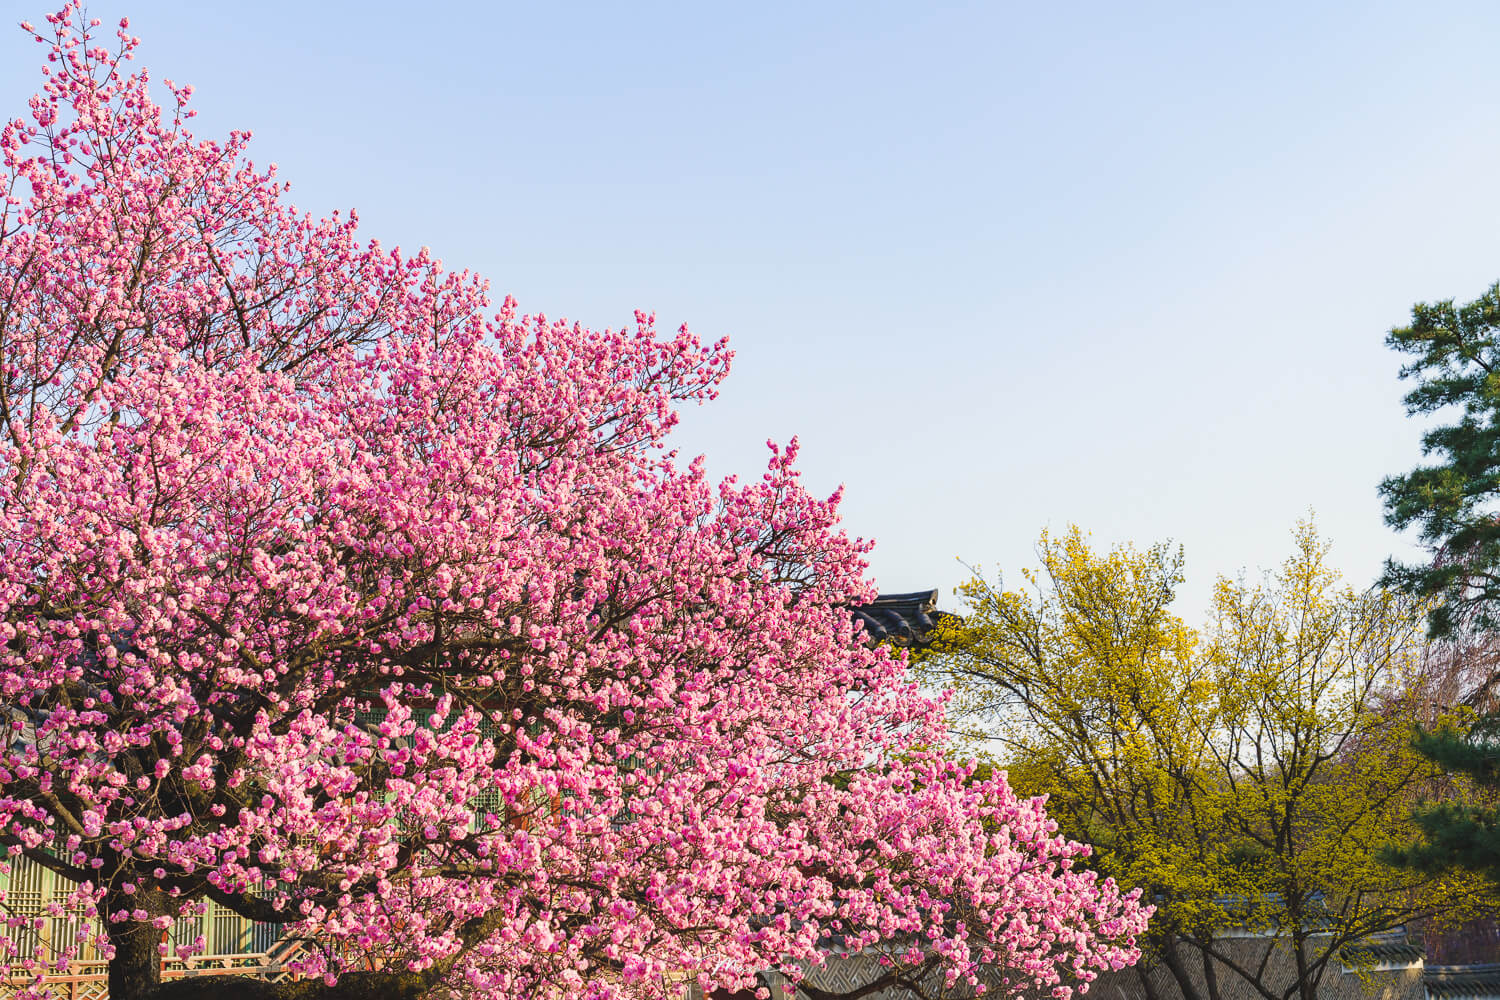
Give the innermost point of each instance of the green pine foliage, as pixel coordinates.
(1455, 362)
(1455, 352)
(1462, 832)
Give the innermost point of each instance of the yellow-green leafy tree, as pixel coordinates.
(1244, 774)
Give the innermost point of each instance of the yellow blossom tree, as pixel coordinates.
(1245, 774)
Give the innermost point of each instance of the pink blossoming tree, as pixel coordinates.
(335, 596)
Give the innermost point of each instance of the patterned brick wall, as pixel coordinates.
(1338, 984)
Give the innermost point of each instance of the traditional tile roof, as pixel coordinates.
(1375, 952)
(902, 619)
(1462, 982)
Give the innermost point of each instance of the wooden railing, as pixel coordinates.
(89, 980)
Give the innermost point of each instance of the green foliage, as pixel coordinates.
(1455, 354)
(1462, 832)
(1455, 351)
(1244, 775)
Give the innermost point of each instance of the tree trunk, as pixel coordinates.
(135, 971)
(1210, 976)
(1306, 988)
(1143, 975)
(1171, 957)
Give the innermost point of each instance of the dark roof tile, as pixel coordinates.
(1383, 953)
(902, 619)
(1462, 982)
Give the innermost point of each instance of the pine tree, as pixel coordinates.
(1459, 833)
(1455, 351)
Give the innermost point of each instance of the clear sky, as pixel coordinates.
(1000, 266)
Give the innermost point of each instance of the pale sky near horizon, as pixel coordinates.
(1000, 267)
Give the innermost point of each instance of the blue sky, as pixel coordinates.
(999, 266)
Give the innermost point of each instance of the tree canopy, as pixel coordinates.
(1244, 775)
(1455, 364)
(338, 597)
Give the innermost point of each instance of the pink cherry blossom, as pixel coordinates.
(336, 595)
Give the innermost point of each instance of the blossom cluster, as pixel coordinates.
(339, 596)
